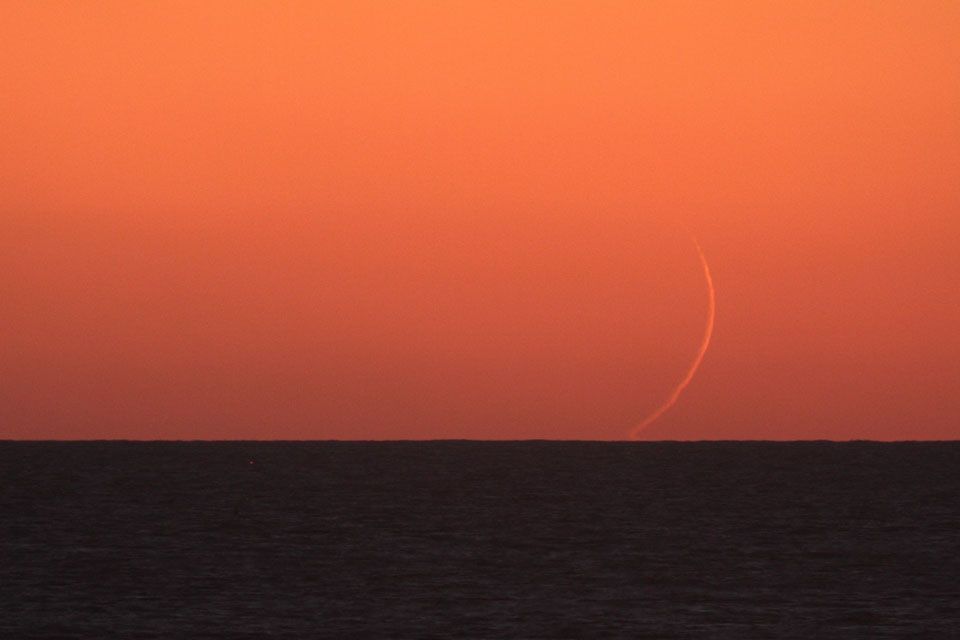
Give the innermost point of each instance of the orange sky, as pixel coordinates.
(474, 219)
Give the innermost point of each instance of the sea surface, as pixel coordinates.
(479, 540)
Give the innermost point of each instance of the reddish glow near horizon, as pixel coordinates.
(419, 219)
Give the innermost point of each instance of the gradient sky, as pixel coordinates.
(374, 220)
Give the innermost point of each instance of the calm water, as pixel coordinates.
(479, 540)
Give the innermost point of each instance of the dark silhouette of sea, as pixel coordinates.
(479, 540)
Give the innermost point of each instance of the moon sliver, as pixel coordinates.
(697, 360)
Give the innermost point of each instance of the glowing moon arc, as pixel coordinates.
(701, 352)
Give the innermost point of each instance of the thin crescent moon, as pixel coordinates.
(701, 352)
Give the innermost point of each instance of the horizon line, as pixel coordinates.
(471, 440)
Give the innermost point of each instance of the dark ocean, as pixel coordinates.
(479, 540)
